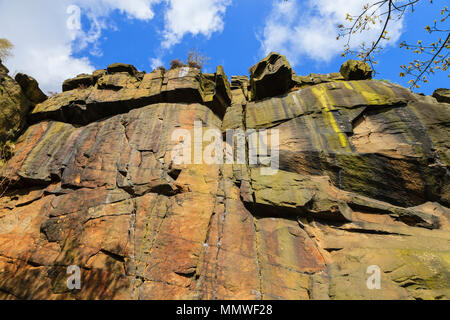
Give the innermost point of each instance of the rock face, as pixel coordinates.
(270, 77)
(362, 185)
(17, 97)
(30, 88)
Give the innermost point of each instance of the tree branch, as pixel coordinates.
(382, 31)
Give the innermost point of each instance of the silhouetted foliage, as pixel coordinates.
(163, 70)
(51, 93)
(176, 63)
(194, 60)
(82, 86)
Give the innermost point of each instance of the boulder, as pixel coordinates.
(271, 77)
(442, 95)
(117, 81)
(80, 81)
(99, 73)
(121, 67)
(14, 106)
(356, 70)
(31, 88)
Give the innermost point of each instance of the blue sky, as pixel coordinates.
(235, 34)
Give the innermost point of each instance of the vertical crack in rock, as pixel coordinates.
(132, 243)
(154, 215)
(258, 258)
(202, 278)
(220, 200)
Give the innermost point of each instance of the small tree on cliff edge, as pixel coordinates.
(176, 63)
(5, 48)
(196, 60)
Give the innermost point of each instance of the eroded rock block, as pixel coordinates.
(117, 91)
(122, 67)
(31, 88)
(442, 95)
(14, 106)
(79, 82)
(356, 70)
(270, 77)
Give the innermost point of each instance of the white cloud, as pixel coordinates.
(97, 13)
(44, 45)
(135, 9)
(46, 40)
(195, 17)
(42, 41)
(309, 29)
(155, 63)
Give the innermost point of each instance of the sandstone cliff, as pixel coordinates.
(363, 181)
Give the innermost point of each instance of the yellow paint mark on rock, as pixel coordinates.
(321, 94)
(372, 97)
(348, 86)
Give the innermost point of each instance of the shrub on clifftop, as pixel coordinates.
(5, 48)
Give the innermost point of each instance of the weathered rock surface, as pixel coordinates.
(363, 181)
(88, 98)
(16, 100)
(270, 77)
(367, 136)
(313, 79)
(442, 95)
(356, 70)
(30, 88)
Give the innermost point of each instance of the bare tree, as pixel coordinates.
(196, 59)
(436, 53)
(176, 63)
(5, 48)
